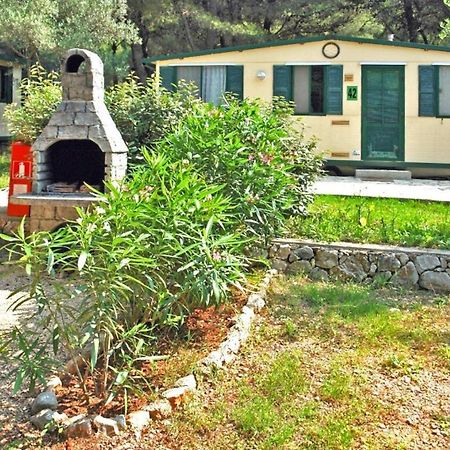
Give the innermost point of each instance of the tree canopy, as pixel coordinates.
(127, 31)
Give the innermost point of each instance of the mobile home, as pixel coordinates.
(10, 76)
(372, 103)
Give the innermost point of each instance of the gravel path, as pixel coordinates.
(14, 408)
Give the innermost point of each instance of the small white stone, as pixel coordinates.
(188, 381)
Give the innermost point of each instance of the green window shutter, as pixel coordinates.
(235, 80)
(168, 77)
(333, 86)
(282, 82)
(427, 91)
(9, 86)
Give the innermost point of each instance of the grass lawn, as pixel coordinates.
(373, 220)
(331, 367)
(4, 170)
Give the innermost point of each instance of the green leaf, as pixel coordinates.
(94, 352)
(121, 377)
(19, 380)
(82, 260)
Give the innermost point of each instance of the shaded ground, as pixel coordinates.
(328, 367)
(333, 367)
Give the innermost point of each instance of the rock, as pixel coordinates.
(317, 274)
(292, 257)
(45, 417)
(230, 345)
(353, 268)
(306, 253)
(139, 419)
(80, 429)
(407, 276)
(299, 267)
(45, 400)
(121, 422)
(372, 270)
(175, 396)
(105, 425)
(388, 263)
(403, 258)
(279, 265)
(444, 263)
(326, 259)
(188, 381)
(283, 251)
(435, 281)
(273, 250)
(159, 410)
(256, 302)
(53, 383)
(427, 262)
(213, 360)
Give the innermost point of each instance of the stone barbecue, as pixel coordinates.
(80, 145)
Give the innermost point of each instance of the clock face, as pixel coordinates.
(331, 50)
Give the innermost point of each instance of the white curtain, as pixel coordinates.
(214, 84)
(301, 89)
(190, 74)
(444, 90)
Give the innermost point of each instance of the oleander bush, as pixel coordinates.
(253, 149)
(131, 268)
(207, 184)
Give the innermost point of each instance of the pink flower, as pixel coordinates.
(216, 256)
(265, 158)
(251, 157)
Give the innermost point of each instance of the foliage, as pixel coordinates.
(252, 149)
(144, 114)
(5, 161)
(32, 27)
(388, 221)
(151, 250)
(42, 93)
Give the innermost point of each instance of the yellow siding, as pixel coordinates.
(427, 139)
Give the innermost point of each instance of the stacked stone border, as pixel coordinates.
(44, 406)
(411, 268)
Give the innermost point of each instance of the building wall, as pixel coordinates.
(17, 76)
(427, 139)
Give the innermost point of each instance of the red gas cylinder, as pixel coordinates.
(20, 180)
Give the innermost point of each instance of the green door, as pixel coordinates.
(383, 113)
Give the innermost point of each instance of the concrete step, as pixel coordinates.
(382, 174)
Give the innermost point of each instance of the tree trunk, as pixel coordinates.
(410, 21)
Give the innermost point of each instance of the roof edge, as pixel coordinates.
(303, 40)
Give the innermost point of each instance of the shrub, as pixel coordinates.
(151, 250)
(41, 93)
(254, 151)
(146, 114)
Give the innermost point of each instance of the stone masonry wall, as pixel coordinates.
(411, 268)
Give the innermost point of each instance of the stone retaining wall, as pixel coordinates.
(406, 267)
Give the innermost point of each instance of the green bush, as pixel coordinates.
(146, 114)
(132, 267)
(254, 151)
(41, 93)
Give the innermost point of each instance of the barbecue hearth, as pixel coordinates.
(80, 146)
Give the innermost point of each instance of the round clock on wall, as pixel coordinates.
(330, 50)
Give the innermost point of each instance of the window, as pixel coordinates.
(212, 81)
(434, 91)
(314, 89)
(6, 85)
